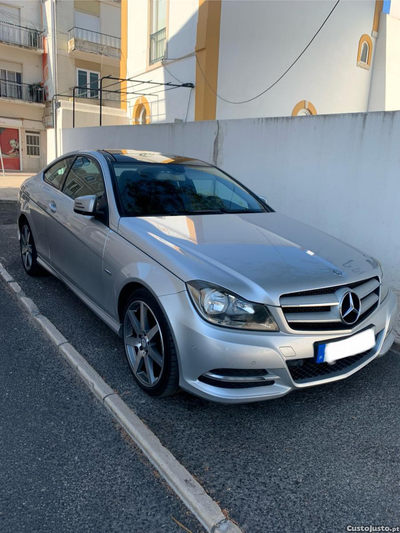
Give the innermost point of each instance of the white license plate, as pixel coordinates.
(359, 343)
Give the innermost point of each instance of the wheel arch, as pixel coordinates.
(123, 297)
(21, 219)
(125, 293)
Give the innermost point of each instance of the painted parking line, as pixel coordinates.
(205, 509)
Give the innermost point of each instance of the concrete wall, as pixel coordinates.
(340, 173)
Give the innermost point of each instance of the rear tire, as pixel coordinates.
(28, 251)
(149, 345)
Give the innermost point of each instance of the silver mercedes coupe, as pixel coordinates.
(209, 288)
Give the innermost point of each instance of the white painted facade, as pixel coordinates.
(258, 41)
(181, 17)
(385, 90)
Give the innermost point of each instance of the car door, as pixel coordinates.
(76, 241)
(41, 193)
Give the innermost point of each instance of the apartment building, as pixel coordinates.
(22, 132)
(83, 45)
(52, 57)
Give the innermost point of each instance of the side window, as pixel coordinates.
(55, 174)
(83, 179)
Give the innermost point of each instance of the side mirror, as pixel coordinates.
(263, 199)
(85, 205)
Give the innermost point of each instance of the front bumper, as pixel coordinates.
(203, 348)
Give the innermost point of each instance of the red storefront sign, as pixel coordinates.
(9, 144)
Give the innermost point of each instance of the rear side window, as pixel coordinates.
(84, 178)
(55, 174)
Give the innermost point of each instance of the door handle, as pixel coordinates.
(53, 207)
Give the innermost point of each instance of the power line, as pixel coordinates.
(170, 73)
(280, 77)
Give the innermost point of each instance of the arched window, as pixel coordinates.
(142, 115)
(303, 108)
(141, 111)
(364, 55)
(304, 112)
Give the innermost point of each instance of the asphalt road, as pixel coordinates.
(65, 465)
(314, 461)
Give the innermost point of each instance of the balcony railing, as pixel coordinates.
(94, 37)
(21, 91)
(157, 45)
(21, 36)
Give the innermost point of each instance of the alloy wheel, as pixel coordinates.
(144, 344)
(26, 247)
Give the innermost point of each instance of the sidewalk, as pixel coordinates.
(10, 183)
(65, 465)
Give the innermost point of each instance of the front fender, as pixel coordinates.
(123, 263)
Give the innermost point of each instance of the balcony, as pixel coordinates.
(92, 45)
(21, 92)
(157, 45)
(14, 35)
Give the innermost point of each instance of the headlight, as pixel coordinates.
(220, 307)
(384, 285)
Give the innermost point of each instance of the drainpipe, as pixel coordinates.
(54, 39)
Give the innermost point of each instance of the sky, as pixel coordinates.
(386, 6)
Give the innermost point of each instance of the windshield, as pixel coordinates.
(167, 190)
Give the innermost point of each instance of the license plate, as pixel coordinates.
(332, 351)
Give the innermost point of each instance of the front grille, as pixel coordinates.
(236, 378)
(303, 370)
(318, 310)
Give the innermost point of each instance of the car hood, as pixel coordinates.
(259, 256)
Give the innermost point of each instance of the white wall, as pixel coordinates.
(260, 40)
(340, 173)
(181, 30)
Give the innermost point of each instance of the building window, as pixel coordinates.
(364, 55)
(303, 108)
(33, 144)
(158, 30)
(10, 84)
(142, 115)
(141, 111)
(88, 83)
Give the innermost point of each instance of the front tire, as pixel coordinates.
(149, 345)
(28, 251)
